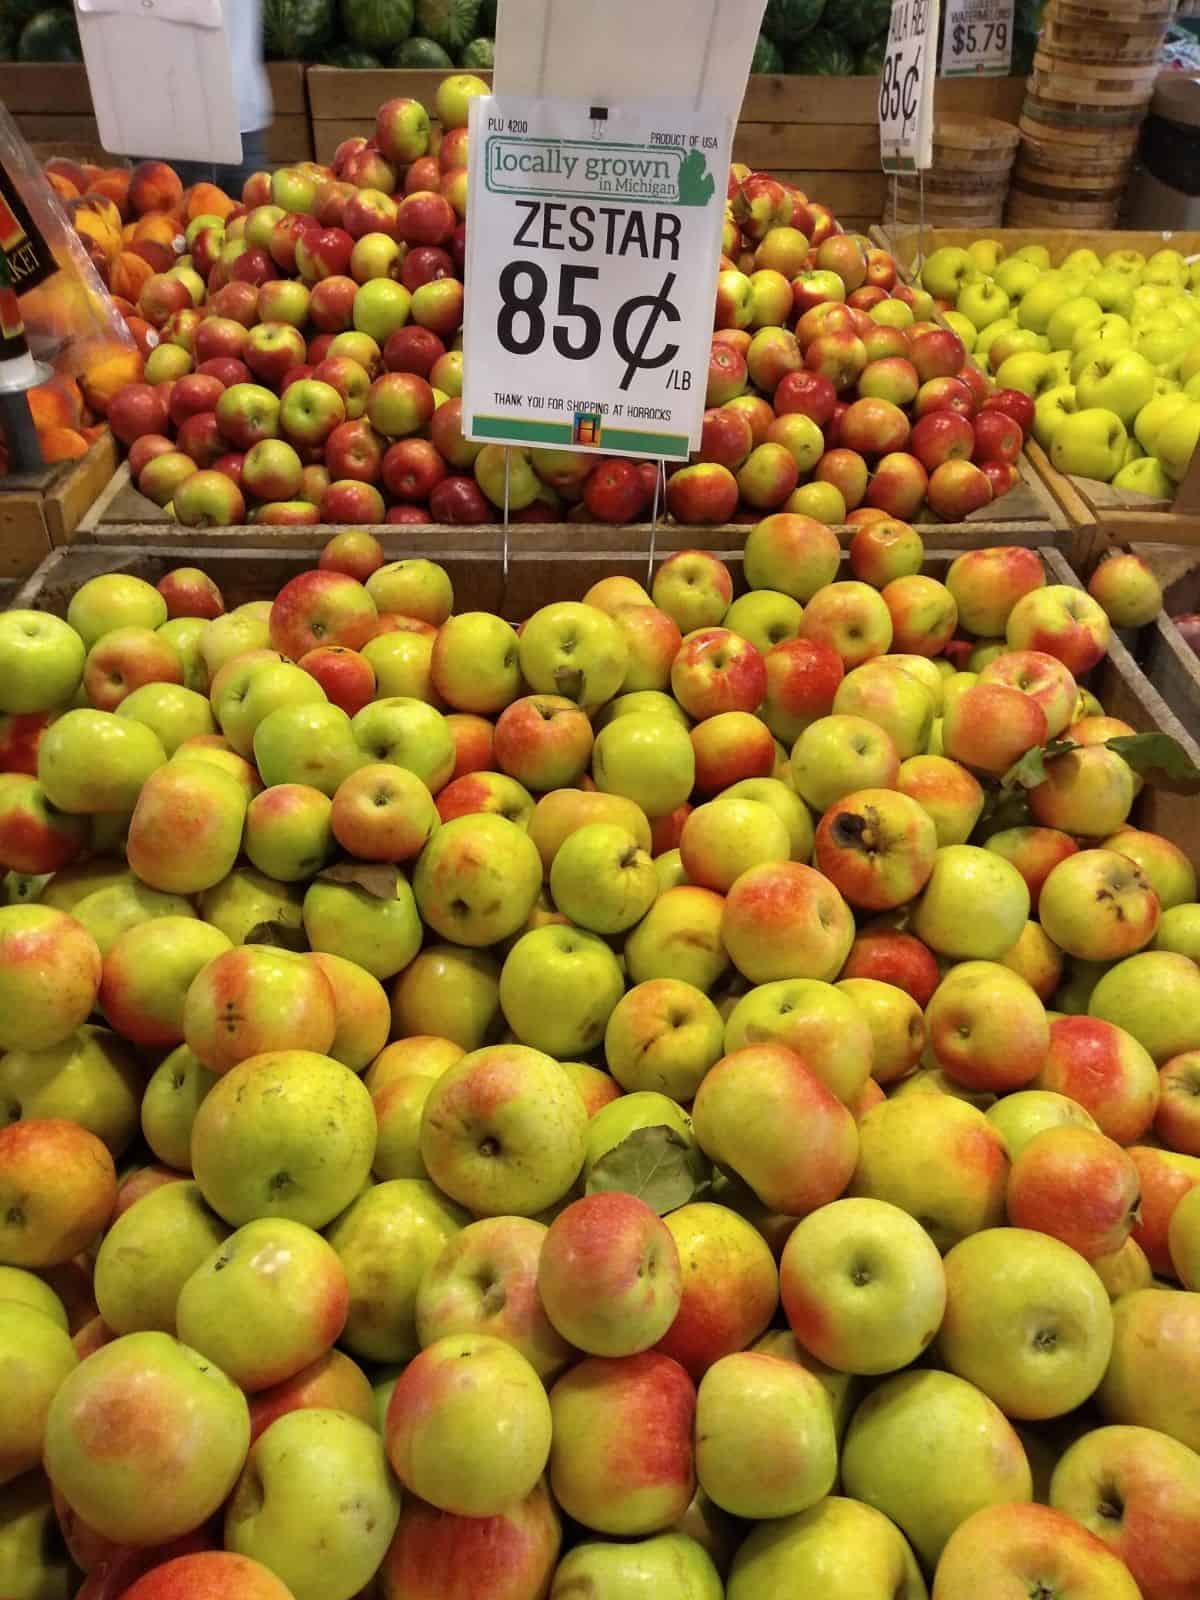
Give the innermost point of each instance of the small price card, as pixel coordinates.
(906, 87)
(978, 40)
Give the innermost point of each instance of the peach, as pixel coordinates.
(154, 186)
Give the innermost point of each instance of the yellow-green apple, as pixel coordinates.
(602, 879)
(234, 634)
(802, 679)
(765, 1441)
(1042, 677)
(836, 755)
(610, 594)
(987, 584)
(784, 920)
(730, 1286)
(485, 1117)
(1154, 1358)
(477, 879)
(608, 1275)
(36, 1354)
(474, 666)
(923, 614)
(41, 661)
(842, 1548)
(765, 617)
(1127, 589)
(1171, 875)
(91, 1077)
(596, 1087)
(885, 550)
(147, 972)
(243, 901)
(170, 710)
(94, 762)
(485, 1281)
(671, 1561)
(399, 1080)
(663, 1035)
(932, 1416)
(252, 1148)
(1099, 905)
(937, 1158)
(407, 733)
(822, 1025)
(435, 1555)
(579, 969)
(652, 639)
(597, 1408)
(137, 1280)
(50, 971)
(726, 837)
(468, 1426)
(793, 554)
(58, 1186)
(743, 1112)
(386, 1240)
(1177, 1120)
(987, 1027)
(401, 661)
(679, 938)
(1153, 996)
(362, 1014)
(1120, 382)
(862, 1286)
(1089, 790)
(1165, 1177)
(1077, 1185)
(1124, 1271)
(1036, 958)
(113, 600)
(266, 1303)
(185, 1431)
(694, 589)
(281, 1514)
(574, 650)
(730, 746)
(186, 828)
(876, 846)
(1179, 931)
(647, 759)
(1020, 1117)
(485, 791)
(169, 1106)
(19, 1285)
(256, 998)
(35, 1556)
(449, 991)
(1061, 621)
(1033, 1369)
(383, 813)
(852, 618)
(896, 1024)
(250, 690)
(787, 806)
(894, 701)
(1025, 1549)
(1106, 1070)
(1138, 1491)
(1183, 1238)
(946, 792)
(974, 904)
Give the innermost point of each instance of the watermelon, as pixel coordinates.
(479, 55)
(349, 55)
(296, 30)
(450, 23)
(767, 56)
(872, 57)
(377, 25)
(487, 19)
(50, 36)
(822, 55)
(787, 21)
(861, 22)
(420, 53)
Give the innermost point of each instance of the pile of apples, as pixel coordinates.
(307, 363)
(1108, 350)
(629, 1105)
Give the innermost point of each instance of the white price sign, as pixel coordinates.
(906, 87)
(978, 38)
(592, 252)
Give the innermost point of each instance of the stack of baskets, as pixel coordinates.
(966, 186)
(1092, 81)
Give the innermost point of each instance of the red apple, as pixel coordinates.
(412, 470)
(1015, 404)
(942, 436)
(957, 488)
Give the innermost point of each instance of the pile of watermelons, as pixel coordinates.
(32, 30)
(847, 38)
(381, 33)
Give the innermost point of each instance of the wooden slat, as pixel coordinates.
(41, 87)
(45, 127)
(774, 146)
(288, 87)
(337, 94)
(289, 138)
(856, 100)
(859, 194)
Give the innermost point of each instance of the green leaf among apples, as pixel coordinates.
(656, 1165)
(1157, 757)
(377, 878)
(280, 935)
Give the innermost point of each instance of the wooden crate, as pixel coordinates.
(536, 577)
(904, 243)
(819, 133)
(1170, 663)
(41, 511)
(122, 516)
(52, 104)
